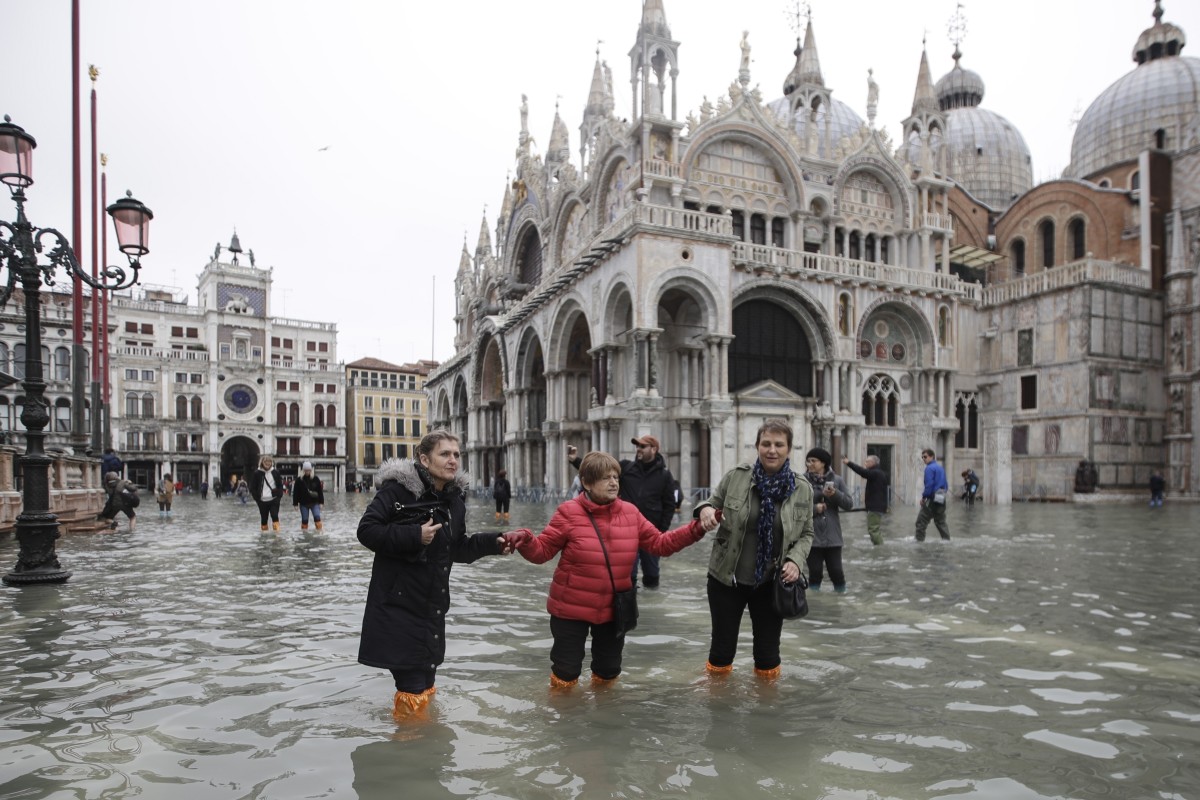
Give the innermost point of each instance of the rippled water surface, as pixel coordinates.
(1048, 651)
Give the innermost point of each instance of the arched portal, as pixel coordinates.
(239, 456)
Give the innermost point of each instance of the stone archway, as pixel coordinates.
(239, 456)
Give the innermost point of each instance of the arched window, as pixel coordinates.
(281, 414)
(758, 229)
(331, 416)
(943, 326)
(62, 415)
(19, 361)
(1078, 235)
(319, 415)
(1046, 234)
(132, 405)
(181, 407)
(881, 402)
(1017, 256)
(148, 405)
(6, 423)
(869, 246)
(1160, 139)
(4, 356)
(769, 344)
(1135, 181)
(967, 412)
(62, 364)
(197, 409)
(844, 314)
(529, 259)
(855, 246)
(294, 415)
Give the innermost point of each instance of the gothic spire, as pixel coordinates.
(484, 248)
(810, 64)
(924, 98)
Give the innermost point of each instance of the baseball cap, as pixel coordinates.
(647, 440)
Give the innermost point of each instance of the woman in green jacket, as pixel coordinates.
(766, 526)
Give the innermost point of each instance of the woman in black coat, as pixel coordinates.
(502, 494)
(266, 487)
(404, 623)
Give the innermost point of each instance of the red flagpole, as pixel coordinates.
(77, 173)
(104, 295)
(97, 222)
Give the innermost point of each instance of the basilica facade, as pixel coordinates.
(691, 276)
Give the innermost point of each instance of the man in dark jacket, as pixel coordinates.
(875, 498)
(648, 484)
(110, 463)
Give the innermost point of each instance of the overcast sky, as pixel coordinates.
(352, 144)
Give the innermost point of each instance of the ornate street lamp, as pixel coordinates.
(21, 246)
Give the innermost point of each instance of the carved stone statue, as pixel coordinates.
(217, 252)
(745, 45)
(251, 254)
(872, 97)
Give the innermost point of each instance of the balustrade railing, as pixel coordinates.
(1054, 278)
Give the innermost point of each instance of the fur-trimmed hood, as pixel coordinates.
(404, 472)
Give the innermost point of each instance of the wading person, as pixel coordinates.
(875, 497)
(165, 495)
(502, 494)
(829, 497)
(309, 496)
(122, 498)
(596, 537)
(933, 498)
(766, 518)
(648, 484)
(404, 622)
(266, 487)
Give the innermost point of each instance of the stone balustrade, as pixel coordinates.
(1090, 270)
(76, 490)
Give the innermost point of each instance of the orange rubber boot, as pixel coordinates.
(769, 674)
(558, 683)
(320, 524)
(264, 527)
(409, 706)
(275, 526)
(601, 683)
(712, 669)
(303, 526)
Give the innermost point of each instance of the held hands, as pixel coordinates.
(710, 518)
(511, 541)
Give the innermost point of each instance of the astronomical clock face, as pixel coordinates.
(240, 398)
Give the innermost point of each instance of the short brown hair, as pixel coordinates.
(597, 466)
(431, 439)
(774, 426)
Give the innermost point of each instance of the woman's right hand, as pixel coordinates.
(709, 517)
(429, 530)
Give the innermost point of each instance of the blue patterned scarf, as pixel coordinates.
(772, 491)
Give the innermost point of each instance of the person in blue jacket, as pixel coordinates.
(933, 498)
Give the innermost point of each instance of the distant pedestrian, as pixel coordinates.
(203, 490)
(933, 498)
(122, 498)
(502, 494)
(1158, 488)
(970, 486)
(165, 495)
(110, 463)
(308, 494)
(875, 498)
(242, 491)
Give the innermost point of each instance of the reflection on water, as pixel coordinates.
(1045, 652)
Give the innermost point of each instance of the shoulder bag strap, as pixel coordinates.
(604, 550)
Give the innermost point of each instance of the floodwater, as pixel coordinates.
(1048, 651)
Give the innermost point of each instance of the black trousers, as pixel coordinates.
(413, 681)
(820, 558)
(266, 507)
(570, 638)
(726, 604)
(501, 505)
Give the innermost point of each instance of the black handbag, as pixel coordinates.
(789, 599)
(625, 608)
(419, 512)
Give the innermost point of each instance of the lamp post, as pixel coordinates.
(21, 246)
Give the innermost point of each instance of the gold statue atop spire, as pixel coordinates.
(93, 73)
(103, 160)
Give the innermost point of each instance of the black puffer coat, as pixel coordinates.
(404, 623)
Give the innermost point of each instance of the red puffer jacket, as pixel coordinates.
(581, 589)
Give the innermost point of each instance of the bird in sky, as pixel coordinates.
(323, 149)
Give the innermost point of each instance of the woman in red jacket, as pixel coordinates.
(581, 593)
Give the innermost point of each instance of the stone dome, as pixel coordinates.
(843, 119)
(1155, 105)
(981, 150)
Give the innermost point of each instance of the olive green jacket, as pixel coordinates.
(732, 496)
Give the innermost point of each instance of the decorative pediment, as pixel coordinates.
(770, 392)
